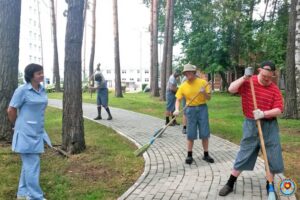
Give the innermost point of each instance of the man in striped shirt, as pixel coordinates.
(270, 105)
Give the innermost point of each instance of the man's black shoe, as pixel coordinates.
(189, 160)
(208, 159)
(98, 117)
(109, 117)
(225, 190)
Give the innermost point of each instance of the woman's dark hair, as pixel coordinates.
(30, 70)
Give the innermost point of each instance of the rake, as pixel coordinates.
(263, 148)
(159, 132)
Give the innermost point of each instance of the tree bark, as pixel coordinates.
(9, 56)
(73, 129)
(170, 40)
(297, 49)
(56, 75)
(154, 56)
(290, 81)
(118, 88)
(92, 55)
(163, 70)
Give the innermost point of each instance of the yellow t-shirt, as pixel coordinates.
(190, 89)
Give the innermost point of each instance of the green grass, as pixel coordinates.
(226, 118)
(105, 170)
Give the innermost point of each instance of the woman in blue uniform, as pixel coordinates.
(26, 112)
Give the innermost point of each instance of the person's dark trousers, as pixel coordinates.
(99, 113)
(108, 112)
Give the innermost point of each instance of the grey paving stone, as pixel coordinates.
(166, 176)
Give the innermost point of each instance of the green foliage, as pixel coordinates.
(224, 33)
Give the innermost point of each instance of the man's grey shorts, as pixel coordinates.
(250, 146)
(171, 99)
(102, 97)
(197, 122)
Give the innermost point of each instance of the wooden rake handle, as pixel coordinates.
(260, 133)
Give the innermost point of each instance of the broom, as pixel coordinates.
(263, 148)
(158, 133)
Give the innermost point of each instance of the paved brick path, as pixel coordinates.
(166, 176)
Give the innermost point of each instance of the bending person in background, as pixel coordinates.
(270, 105)
(102, 93)
(196, 112)
(26, 112)
(170, 97)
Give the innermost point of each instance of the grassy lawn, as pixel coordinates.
(104, 171)
(225, 120)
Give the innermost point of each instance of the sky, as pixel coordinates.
(134, 37)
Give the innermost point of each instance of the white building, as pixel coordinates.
(132, 78)
(35, 36)
(30, 37)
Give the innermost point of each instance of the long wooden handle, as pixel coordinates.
(260, 133)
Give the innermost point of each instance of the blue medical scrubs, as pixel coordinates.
(29, 137)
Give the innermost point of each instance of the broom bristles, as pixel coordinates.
(141, 150)
(271, 190)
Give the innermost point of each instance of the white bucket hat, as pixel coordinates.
(189, 68)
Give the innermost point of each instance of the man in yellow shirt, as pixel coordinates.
(196, 112)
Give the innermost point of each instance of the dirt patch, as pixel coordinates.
(290, 131)
(88, 172)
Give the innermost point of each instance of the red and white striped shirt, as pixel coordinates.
(267, 97)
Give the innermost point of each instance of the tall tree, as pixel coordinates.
(170, 40)
(290, 82)
(297, 58)
(154, 48)
(163, 70)
(56, 76)
(9, 56)
(92, 56)
(73, 129)
(118, 88)
(86, 7)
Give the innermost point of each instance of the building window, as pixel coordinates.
(108, 71)
(138, 80)
(146, 71)
(138, 71)
(123, 71)
(132, 79)
(146, 79)
(123, 79)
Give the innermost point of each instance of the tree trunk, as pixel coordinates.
(154, 56)
(290, 82)
(151, 46)
(56, 75)
(265, 12)
(9, 56)
(170, 40)
(73, 130)
(84, 43)
(224, 81)
(92, 56)
(297, 49)
(118, 88)
(163, 70)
